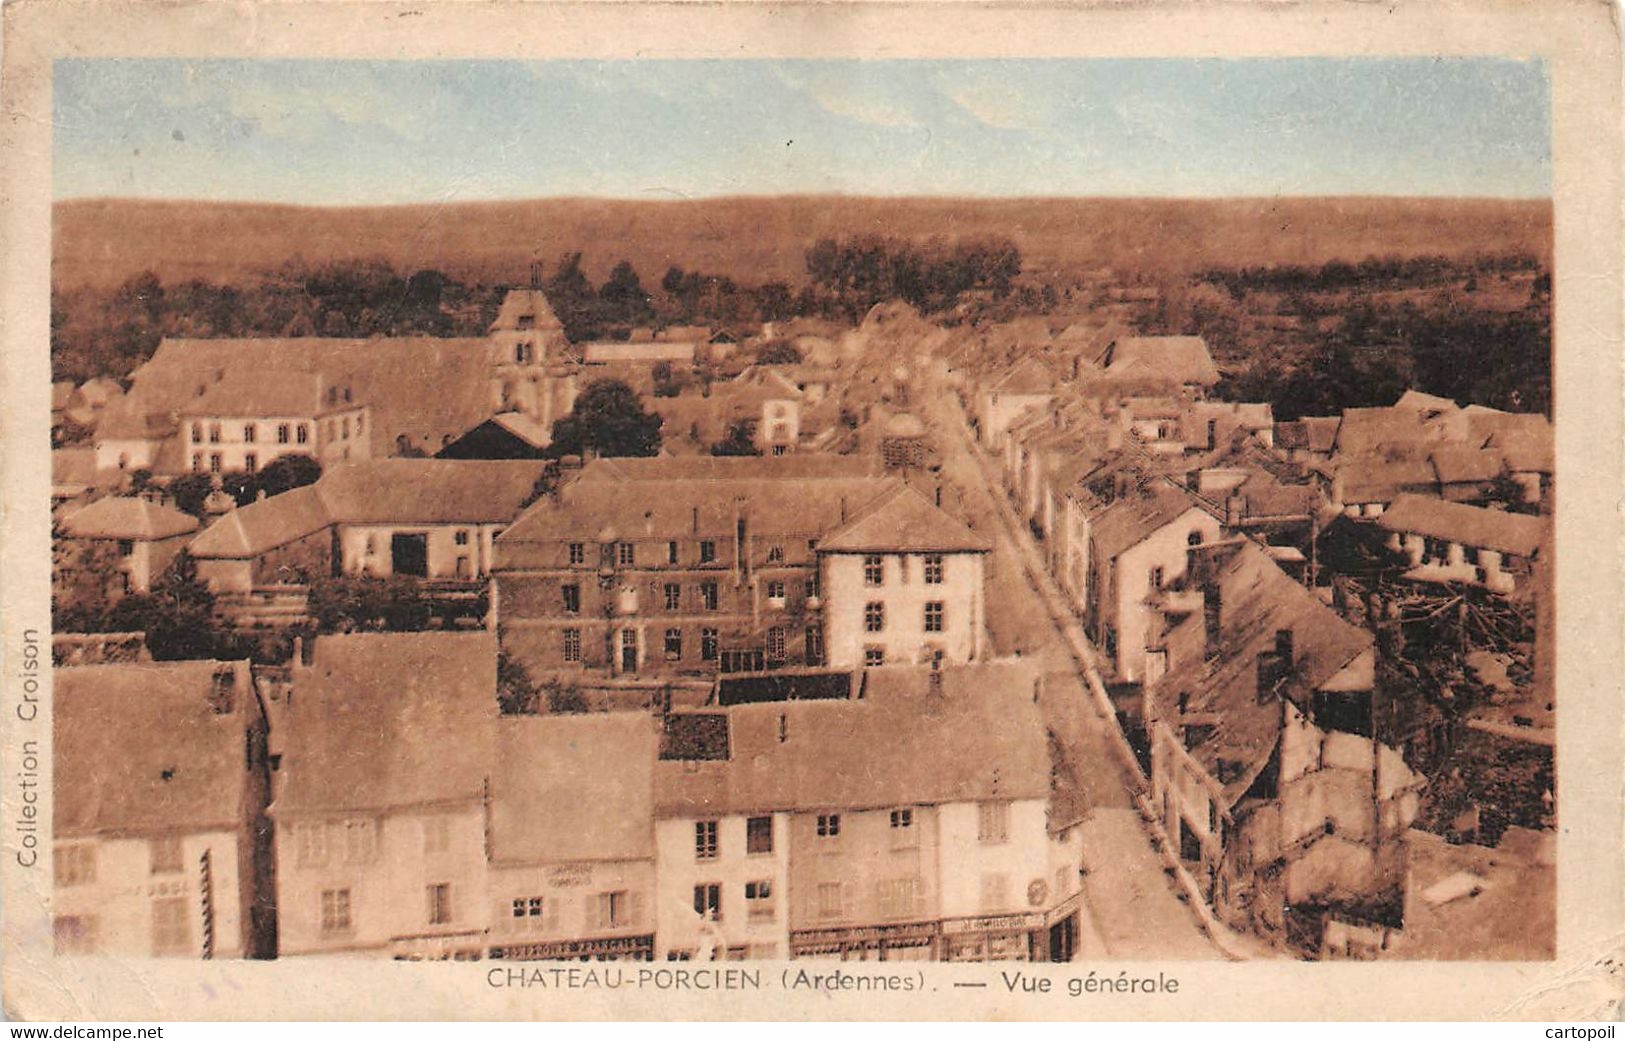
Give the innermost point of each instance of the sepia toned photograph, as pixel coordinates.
(1074, 511)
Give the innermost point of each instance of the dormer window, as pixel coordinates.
(527, 321)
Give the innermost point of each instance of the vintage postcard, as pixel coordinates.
(812, 511)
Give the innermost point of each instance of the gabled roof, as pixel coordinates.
(1029, 376)
(389, 720)
(1364, 430)
(388, 491)
(731, 467)
(1514, 533)
(140, 750)
(526, 429)
(126, 517)
(528, 303)
(1256, 600)
(1376, 477)
(73, 466)
(979, 737)
(904, 522)
(554, 798)
(1417, 401)
(1178, 360)
(1136, 516)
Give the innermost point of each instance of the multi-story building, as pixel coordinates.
(1267, 757)
(912, 822)
(646, 571)
(572, 845)
(1448, 542)
(381, 799)
(144, 537)
(249, 418)
(161, 780)
(194, 407)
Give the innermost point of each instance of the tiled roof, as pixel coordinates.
(806, 507)
(526, 302)
(127, 518)
(554, 797)
(1137, 515)
(904, 522)
(737, 467)
(980, 737)
(423, 388)
(259, 392)
(379, 491)
(1376, 477)
(1515, 533)
(139, 749)
(1366, 430)
(381, 721)
(1458, 463)
(1417, 401)
(70, 466)
(1029, 376)
(1256, 600)
(1176, 359)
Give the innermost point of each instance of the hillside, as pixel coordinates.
(104, 241)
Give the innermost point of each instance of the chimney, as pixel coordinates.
(939, 495)
(1235, 508)
(536, 274)
(1212, 618)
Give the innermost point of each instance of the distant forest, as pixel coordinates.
(1311, 339)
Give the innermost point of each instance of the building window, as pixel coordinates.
(626, 552)
(708, 551)
(283, 432)
(75, 934)
(993, 822)
(829, 900)
(874, 569)
(829, 825)
(74, 865)
(126, 547)
(705, 840)
(171, 925)
(708, 595)
(527, 907)
(436, 833)
(814, 652)
(674, 645)
(439, 895)
(902, 820)
(994, 895)
(781, 449)
(1156, 578)
(251, 462)
(164, 855)
(775, 643)
(674, 596)
(302, 434)
(612, 910)
(572, 645)
(214, 462)
(759, 899)
(775, 554)
(759, 835)
(197, 461)
(214, 433)
(904, 835)
(578, 553)
(708, 645)
(933, 569)
(775, 591)
(896, 897)
(671, 552)
(873, 655)
(251, 433)
(708, 901)
(874, 617)
(460, 538)
(933, 616)
(332, 429)
(572, 598)
(335, 911)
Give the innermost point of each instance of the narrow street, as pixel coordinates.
(1132, 909)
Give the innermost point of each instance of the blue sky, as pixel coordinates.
(366, 132)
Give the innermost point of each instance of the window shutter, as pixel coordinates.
(635, 908)
(589, 912)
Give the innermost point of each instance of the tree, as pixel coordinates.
(623, 298)
(177, 616)
(188, 491)
(608, 419)
(517, 693)
(287, 472)
(669, 382)
(741, 439)
(778, 352)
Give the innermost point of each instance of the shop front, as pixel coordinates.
(915, 941)
(607, 948)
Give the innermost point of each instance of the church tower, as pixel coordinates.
(530, 367)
